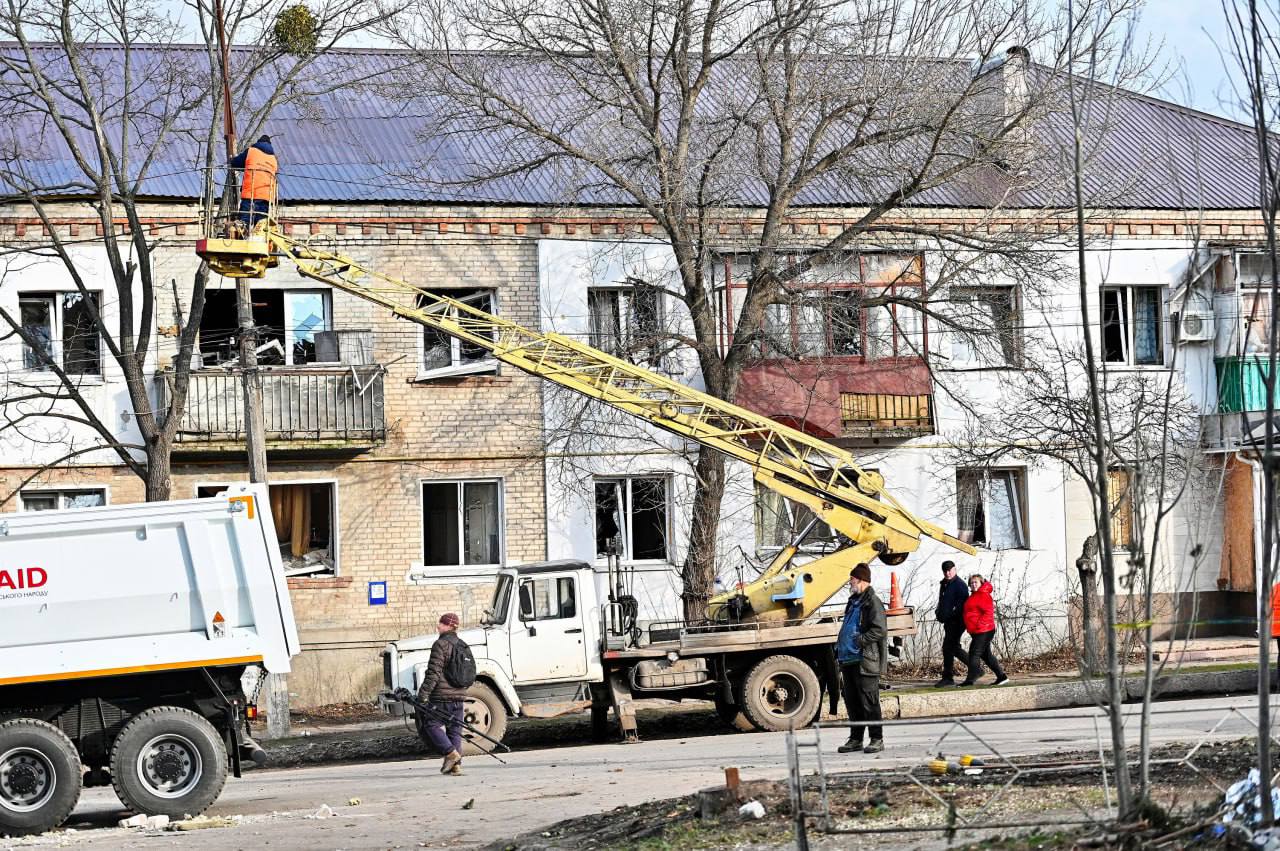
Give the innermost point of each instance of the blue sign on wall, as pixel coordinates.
(378, 593)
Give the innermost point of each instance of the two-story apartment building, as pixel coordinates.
(406, 468)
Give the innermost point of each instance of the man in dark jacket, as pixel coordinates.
(861, 650)
(952, 592)
(446, 698)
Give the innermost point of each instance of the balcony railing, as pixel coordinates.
(303, 407)
(885, 415)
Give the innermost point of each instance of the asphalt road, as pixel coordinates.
(408, 804)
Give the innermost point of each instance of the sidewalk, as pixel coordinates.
(1213, 667)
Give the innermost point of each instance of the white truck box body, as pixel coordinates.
(143, 587)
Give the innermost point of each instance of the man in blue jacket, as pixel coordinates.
(952, 592)
(861, 652)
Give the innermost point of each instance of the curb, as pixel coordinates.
(1062, 695)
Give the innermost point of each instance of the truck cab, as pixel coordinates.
(536, 649)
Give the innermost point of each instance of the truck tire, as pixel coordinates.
(732, 714)
(40, 777)
(487, 713)
(780, 693)
(168, 761)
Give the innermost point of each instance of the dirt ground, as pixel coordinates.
(1044, 798)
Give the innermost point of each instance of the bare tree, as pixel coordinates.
(1255, 51)
(729, 125)
(102, 110)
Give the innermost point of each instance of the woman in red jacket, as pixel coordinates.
(980, 623)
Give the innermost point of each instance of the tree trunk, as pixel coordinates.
(699, 572)
(159, 480)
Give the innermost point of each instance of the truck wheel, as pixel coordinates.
(780, 693)
(732, 714)
(168, 761)
(40, 777)
(487, 713)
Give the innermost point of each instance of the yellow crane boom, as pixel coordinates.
(797, 465)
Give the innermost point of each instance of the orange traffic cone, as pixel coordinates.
(895, 597)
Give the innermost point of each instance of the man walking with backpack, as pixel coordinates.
(450, 672)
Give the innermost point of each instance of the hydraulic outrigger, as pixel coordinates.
(802, 468)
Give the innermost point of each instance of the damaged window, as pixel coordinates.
(304, 517)
(1132, 325)
(631, 518)
(626, 321)
(991, 507)
(461, 523)
(63, 330)
(989, 332)
(778, 521)
(50, 500)
(444, 355)
(287, 322)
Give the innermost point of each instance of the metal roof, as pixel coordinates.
(367, 142)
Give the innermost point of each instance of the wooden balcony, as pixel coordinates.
(305, 408)
(871, 415)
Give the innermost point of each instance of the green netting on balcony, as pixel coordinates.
(1241, 383)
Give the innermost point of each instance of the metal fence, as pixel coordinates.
(966, 797)
(299, 403)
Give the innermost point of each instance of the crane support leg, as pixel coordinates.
(624, 708)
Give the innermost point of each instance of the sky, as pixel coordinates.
(1193, 40)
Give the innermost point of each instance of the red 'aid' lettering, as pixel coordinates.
(32, 581)
(6, 581)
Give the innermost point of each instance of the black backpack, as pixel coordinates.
(460, 670)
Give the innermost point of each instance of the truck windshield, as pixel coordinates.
(501, 599)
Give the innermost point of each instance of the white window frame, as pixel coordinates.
(1020, 503)
(625, 305)
(979, 358)
(57, 332)
(819, 544)
(502, 524)
(326, 299)
(1127, 344)
(627, 540)
(334, 520)
(487, 364)
(61, 491)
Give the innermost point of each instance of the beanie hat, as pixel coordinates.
(449, 619)
(862, 572)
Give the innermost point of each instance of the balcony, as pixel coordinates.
(311, 408)
(843, 398)
(1240, 420)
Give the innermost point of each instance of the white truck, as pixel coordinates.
(560, 637)
(126, 632)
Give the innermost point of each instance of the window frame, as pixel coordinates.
(501, 510)
(1129, 320)
(1010, 359)
(61, 491)
(290, 333)
(625, 346)
(334, 520)
(796, 516)
(625, 557)
(558, 584)
(1121, 498)
(57, 331)
(485, 365)
(826, 291)
(1020, 506)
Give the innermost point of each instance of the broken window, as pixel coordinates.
(47, 499)
(64, 331)
(778, 521)
(990, 327)
(443, 354)
(286, 321)
(304, 515)
(461, 523)
(626, 321)
(991, 507)
(857, 306)
(1120, 500)
(1132, 325)
(631, 518)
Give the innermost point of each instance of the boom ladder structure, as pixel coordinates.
(800, 466)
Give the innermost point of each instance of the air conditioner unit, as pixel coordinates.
(1195, 326)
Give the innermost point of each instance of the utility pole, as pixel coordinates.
(276, 685)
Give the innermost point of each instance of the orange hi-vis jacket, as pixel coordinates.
(259, 179)
(1275, 611)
